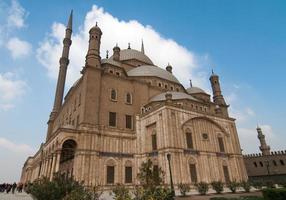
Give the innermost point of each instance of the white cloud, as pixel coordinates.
(10, 90)
(18, 148)
(18, 48)
(159, 48)
(13, 156)
(16, 15)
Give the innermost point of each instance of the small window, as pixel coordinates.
(128, 98)
(159, 84)
(261, 164)
(113, 94)
(128, 174)
(221, 145)
(189, 139)
(282, 162)
(177, 89)
(117, 73)
(128, 119)
(111, 71)
(166, 86)
(154, 142)
(172, 88)
(274, 163)
(255, 164)
(110, 175)
(112, 119)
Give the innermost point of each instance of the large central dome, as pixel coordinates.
(129, 54)
(148, 70)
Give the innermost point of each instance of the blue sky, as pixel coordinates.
(243, 41)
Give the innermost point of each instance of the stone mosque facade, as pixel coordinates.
(123, 110)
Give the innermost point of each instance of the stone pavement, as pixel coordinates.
(207, 197)
(16, 196)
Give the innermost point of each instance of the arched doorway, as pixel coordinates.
(67, 157)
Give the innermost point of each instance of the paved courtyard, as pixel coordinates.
(16, 196)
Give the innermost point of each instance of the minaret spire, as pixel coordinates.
(69, 25)
(142, 47)
(64, 61)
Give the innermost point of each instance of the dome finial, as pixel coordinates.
(142, 47)
(95, 23)
(191, 84)
(129, 45)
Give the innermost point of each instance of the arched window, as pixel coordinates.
(113, 94)
(154, 141)
(110, 172)
(128, 172)
(221, 144)
(128, 98)
(226, 173)
(189, 139)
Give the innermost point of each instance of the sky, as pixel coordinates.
(244, 42)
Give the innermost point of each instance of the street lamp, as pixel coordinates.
(171, 178)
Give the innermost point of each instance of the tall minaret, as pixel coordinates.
(64, 61)
(217, 95)
(93, 54)
(264, 148)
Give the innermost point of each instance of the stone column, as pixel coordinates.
(54, 157)
(57, 164)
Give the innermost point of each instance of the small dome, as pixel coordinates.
(128, 54)
(95, 29)
(148, 70)
(195, 90)
(175, 96)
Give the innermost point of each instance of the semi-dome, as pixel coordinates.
(128, 54)
(175, 96)
(148, 70)
(195, 90)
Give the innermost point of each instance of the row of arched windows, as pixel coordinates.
(114, 96)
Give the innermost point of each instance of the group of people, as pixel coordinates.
(6, 187)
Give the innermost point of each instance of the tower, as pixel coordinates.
(116, 53)
(93, 54)
(64, 61)
(264, 148)
(217, 95)
(91, 75)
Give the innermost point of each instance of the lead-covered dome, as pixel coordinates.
(175, 96)
(148, 70)
(129, 54)
(195, 90)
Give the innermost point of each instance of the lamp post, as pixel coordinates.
(171, 178)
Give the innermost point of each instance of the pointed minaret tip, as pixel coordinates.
(142, 47)
(69, 26)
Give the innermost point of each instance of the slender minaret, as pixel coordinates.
(64, 61)
(217, 95)
(264, 148)
(93, 54)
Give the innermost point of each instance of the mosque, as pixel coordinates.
(123, 110)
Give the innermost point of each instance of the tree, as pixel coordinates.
(151, 179)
